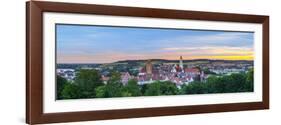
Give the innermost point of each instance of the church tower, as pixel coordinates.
(181, 64)
(148, 67)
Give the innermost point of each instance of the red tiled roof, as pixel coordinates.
(192, 70)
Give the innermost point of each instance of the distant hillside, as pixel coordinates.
(135, 62)
(185, 61)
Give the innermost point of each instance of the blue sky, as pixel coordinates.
(100, 44)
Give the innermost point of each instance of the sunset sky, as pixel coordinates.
(99, 44)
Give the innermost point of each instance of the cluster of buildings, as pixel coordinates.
(174, 72)
(227, 68)
(68, 74)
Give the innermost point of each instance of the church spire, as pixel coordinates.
(181, 63)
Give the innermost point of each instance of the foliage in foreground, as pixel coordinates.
(88, 84)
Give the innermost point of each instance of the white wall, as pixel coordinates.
(12, 64)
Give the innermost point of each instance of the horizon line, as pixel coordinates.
(160, 59)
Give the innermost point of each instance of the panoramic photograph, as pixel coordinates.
(113, 61)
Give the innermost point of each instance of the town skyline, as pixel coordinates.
(155, 60)
(99, 44)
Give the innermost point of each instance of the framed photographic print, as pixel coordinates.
(95, 62)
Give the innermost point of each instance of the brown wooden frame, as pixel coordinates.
(34, 61)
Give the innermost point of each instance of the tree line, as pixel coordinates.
(88, 84)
